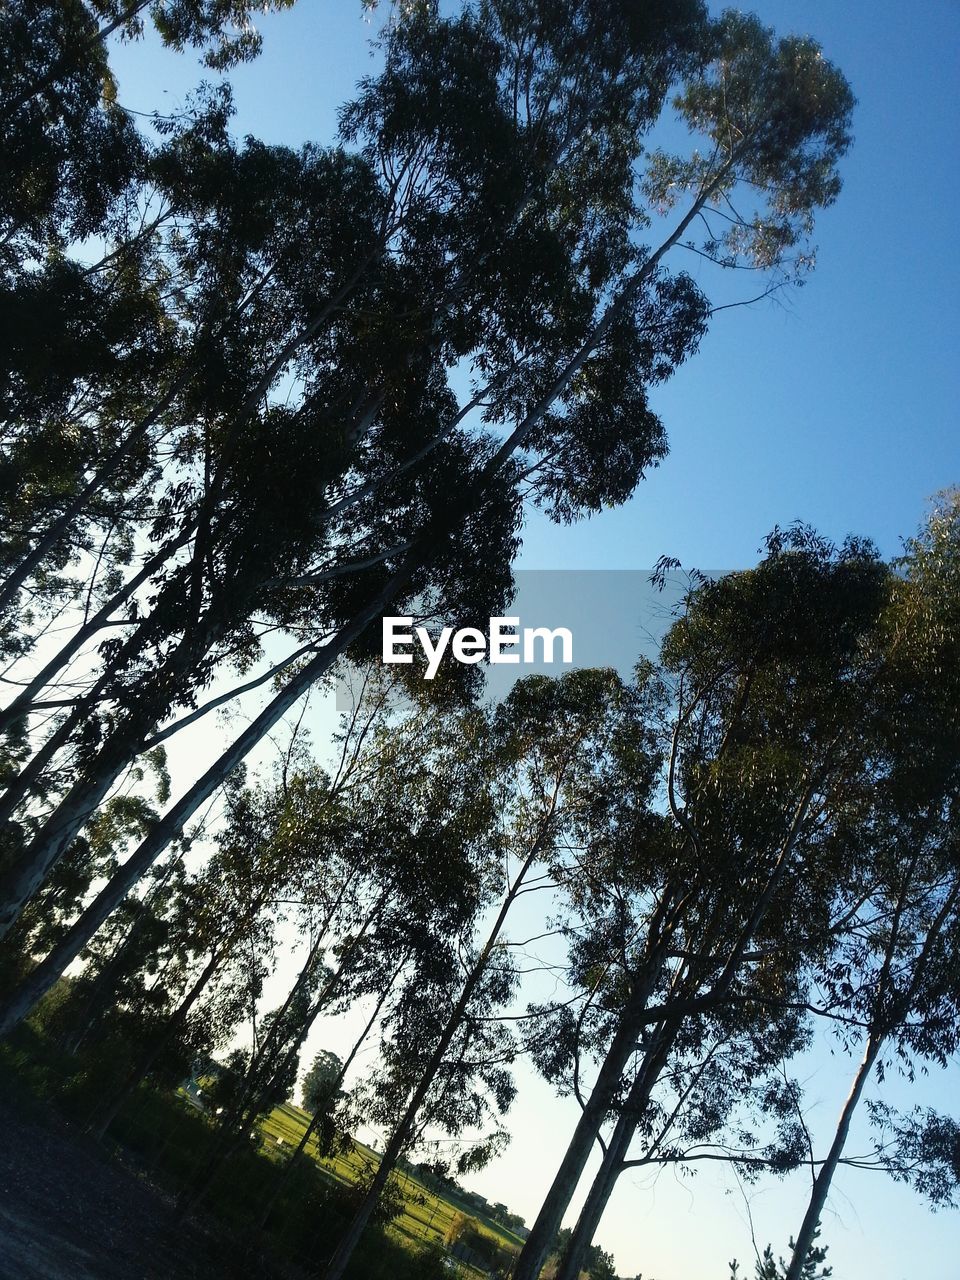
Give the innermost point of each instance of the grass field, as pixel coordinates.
(426, 1216)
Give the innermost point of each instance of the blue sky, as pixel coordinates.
(836, 405)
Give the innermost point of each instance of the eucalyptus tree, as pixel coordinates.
(896, 970)
(381, 863)
(533, 760)
(122, 820)
(222, 927)
(704, 1086)
(472, 1086)
(502, 145)
(321, 1081)
(76, 30)
(336, 371)
(718, 891)
(894, 977)
(803, 862)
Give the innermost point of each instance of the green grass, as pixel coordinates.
(427, 1216)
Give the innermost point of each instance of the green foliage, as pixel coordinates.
(921, 1148)
(321, 1083)
(356, 280)
(236, 425)
(768, 1268)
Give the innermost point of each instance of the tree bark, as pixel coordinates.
(318, 1115)
(618, 1145)
(600, 1191)
(398, 1140)
(104, 1117)
(821, 1184)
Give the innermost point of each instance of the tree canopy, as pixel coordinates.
(253, 397)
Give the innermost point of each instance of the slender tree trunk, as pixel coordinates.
(27, 781)
(104, 1117)
(121, 748)
(544, 1231)
(24, 701)
(68, 819)
(571, 1264)
(45, 974)
(821, 1184)
(317, 1116)
(542, 1235)
(618, 1145)
(401, 1134)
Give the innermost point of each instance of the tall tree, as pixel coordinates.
(896, 972)
(507, 186)
(755, 751)
(321, 1081)
(222, 929)
(538, 756)
(817, 688)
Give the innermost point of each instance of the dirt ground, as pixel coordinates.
(68, 1212)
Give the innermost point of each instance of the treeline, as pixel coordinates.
(235, 432)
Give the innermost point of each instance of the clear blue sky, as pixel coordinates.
(837, 405)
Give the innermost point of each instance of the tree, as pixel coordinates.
(791, 775)
(767, 1268)
(320, 1084)
(699, 888)
(223, 919)
(896, 970)
(512, 247)
(386, 883)
(532, 759)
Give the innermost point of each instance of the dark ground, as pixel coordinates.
(70, 1212)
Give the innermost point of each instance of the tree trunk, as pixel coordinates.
(317, 1115)
(104, 1117)
(45, 974)
(588, 1222)
(120, 749)
(618, 1145)
(542, 1235)
(394, 1149)
(821, 1184)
